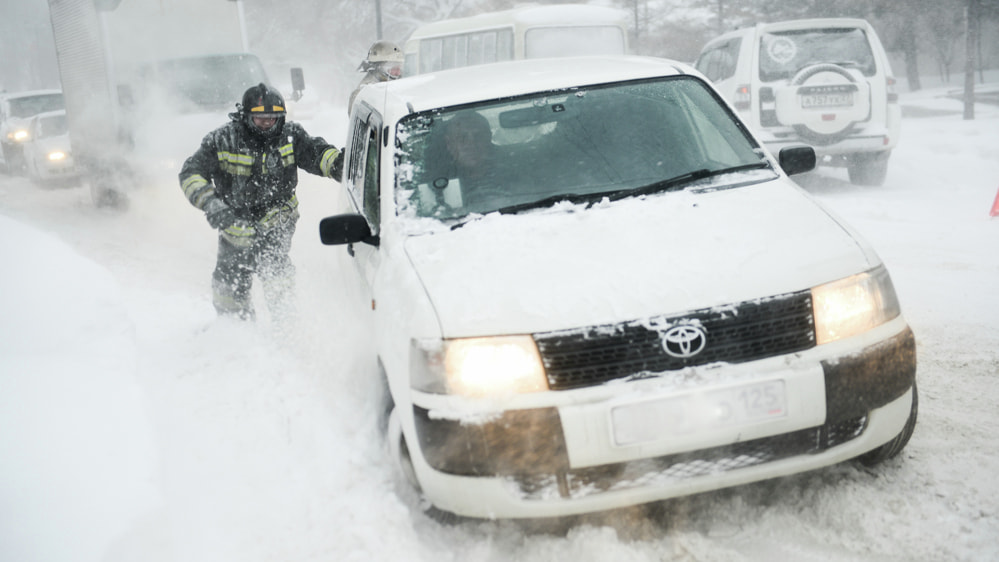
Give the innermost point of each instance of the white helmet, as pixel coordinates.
(384, 51)
(385, 59)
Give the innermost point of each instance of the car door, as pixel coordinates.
(364, 189)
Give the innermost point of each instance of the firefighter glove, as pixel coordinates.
(219, 215)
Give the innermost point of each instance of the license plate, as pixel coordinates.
(827, 100)
(680, 415)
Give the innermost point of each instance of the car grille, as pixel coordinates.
(734, 334)
(659, 471)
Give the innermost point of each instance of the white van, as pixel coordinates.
(825, 82)
(528, 31)
(590, 287)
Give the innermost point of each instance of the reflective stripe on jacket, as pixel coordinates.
(253, 174)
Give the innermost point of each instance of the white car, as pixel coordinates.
(47, 152)
(825, 82)
(624, 299)
(16, 109)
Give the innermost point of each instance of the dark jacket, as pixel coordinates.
(253, 174)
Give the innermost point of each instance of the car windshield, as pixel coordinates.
(783, 54)
(580, 145)
(33, 105)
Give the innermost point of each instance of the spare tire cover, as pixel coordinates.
(823, 101)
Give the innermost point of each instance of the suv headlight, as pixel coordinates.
(853, 305)
(480, 367)
(20, 135)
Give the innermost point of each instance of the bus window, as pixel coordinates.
(525, 32)
(569, 41)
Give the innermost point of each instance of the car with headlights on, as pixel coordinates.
(16, 110)
(591, 286)
(47, 152)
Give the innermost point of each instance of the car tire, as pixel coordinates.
(14, 157)
(399, 451)
(892, 448)
(868, 168)
(107, 198)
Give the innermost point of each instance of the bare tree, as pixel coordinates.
(974, 12)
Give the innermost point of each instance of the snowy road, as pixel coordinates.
(134, 426)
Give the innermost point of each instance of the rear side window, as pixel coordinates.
(784, 53)
(543, 42)
(441, 53)
(719, 61)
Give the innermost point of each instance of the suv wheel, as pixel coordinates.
(868, 168)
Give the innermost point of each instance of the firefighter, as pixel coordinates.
(384, 63)
(243, 177)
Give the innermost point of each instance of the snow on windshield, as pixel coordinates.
(588, 142)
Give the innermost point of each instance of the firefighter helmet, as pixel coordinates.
(263, 101)
(384, 57)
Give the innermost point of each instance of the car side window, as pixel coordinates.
(371, 183)
(362, 165)
(720, 61)
(355, 172)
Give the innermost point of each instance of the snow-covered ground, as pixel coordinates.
(136, 426)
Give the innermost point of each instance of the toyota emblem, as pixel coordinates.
(683, 341)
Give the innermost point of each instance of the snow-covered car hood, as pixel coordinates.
(567, 266)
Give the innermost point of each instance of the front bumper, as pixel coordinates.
(537, 462)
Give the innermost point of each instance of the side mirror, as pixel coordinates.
(796, 159)
(297, 83)
(346, 229)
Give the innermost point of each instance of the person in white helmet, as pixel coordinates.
(384, 63)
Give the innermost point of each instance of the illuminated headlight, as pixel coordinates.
(20, 135)
(853, 305)
(57, 156)
(478, 367)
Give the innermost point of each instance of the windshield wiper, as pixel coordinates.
(549, 201)
(683, 180)
(659, 186)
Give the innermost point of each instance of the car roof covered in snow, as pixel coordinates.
(505, 79)
(792, 25)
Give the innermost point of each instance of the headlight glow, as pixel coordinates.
(57, 155)
(20, 135)
(480, 367)
(853, 305)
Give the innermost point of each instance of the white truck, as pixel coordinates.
(144, 79)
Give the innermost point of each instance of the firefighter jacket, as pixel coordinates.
(251, 173)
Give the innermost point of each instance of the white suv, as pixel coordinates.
(825, 82)
(590, 287)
